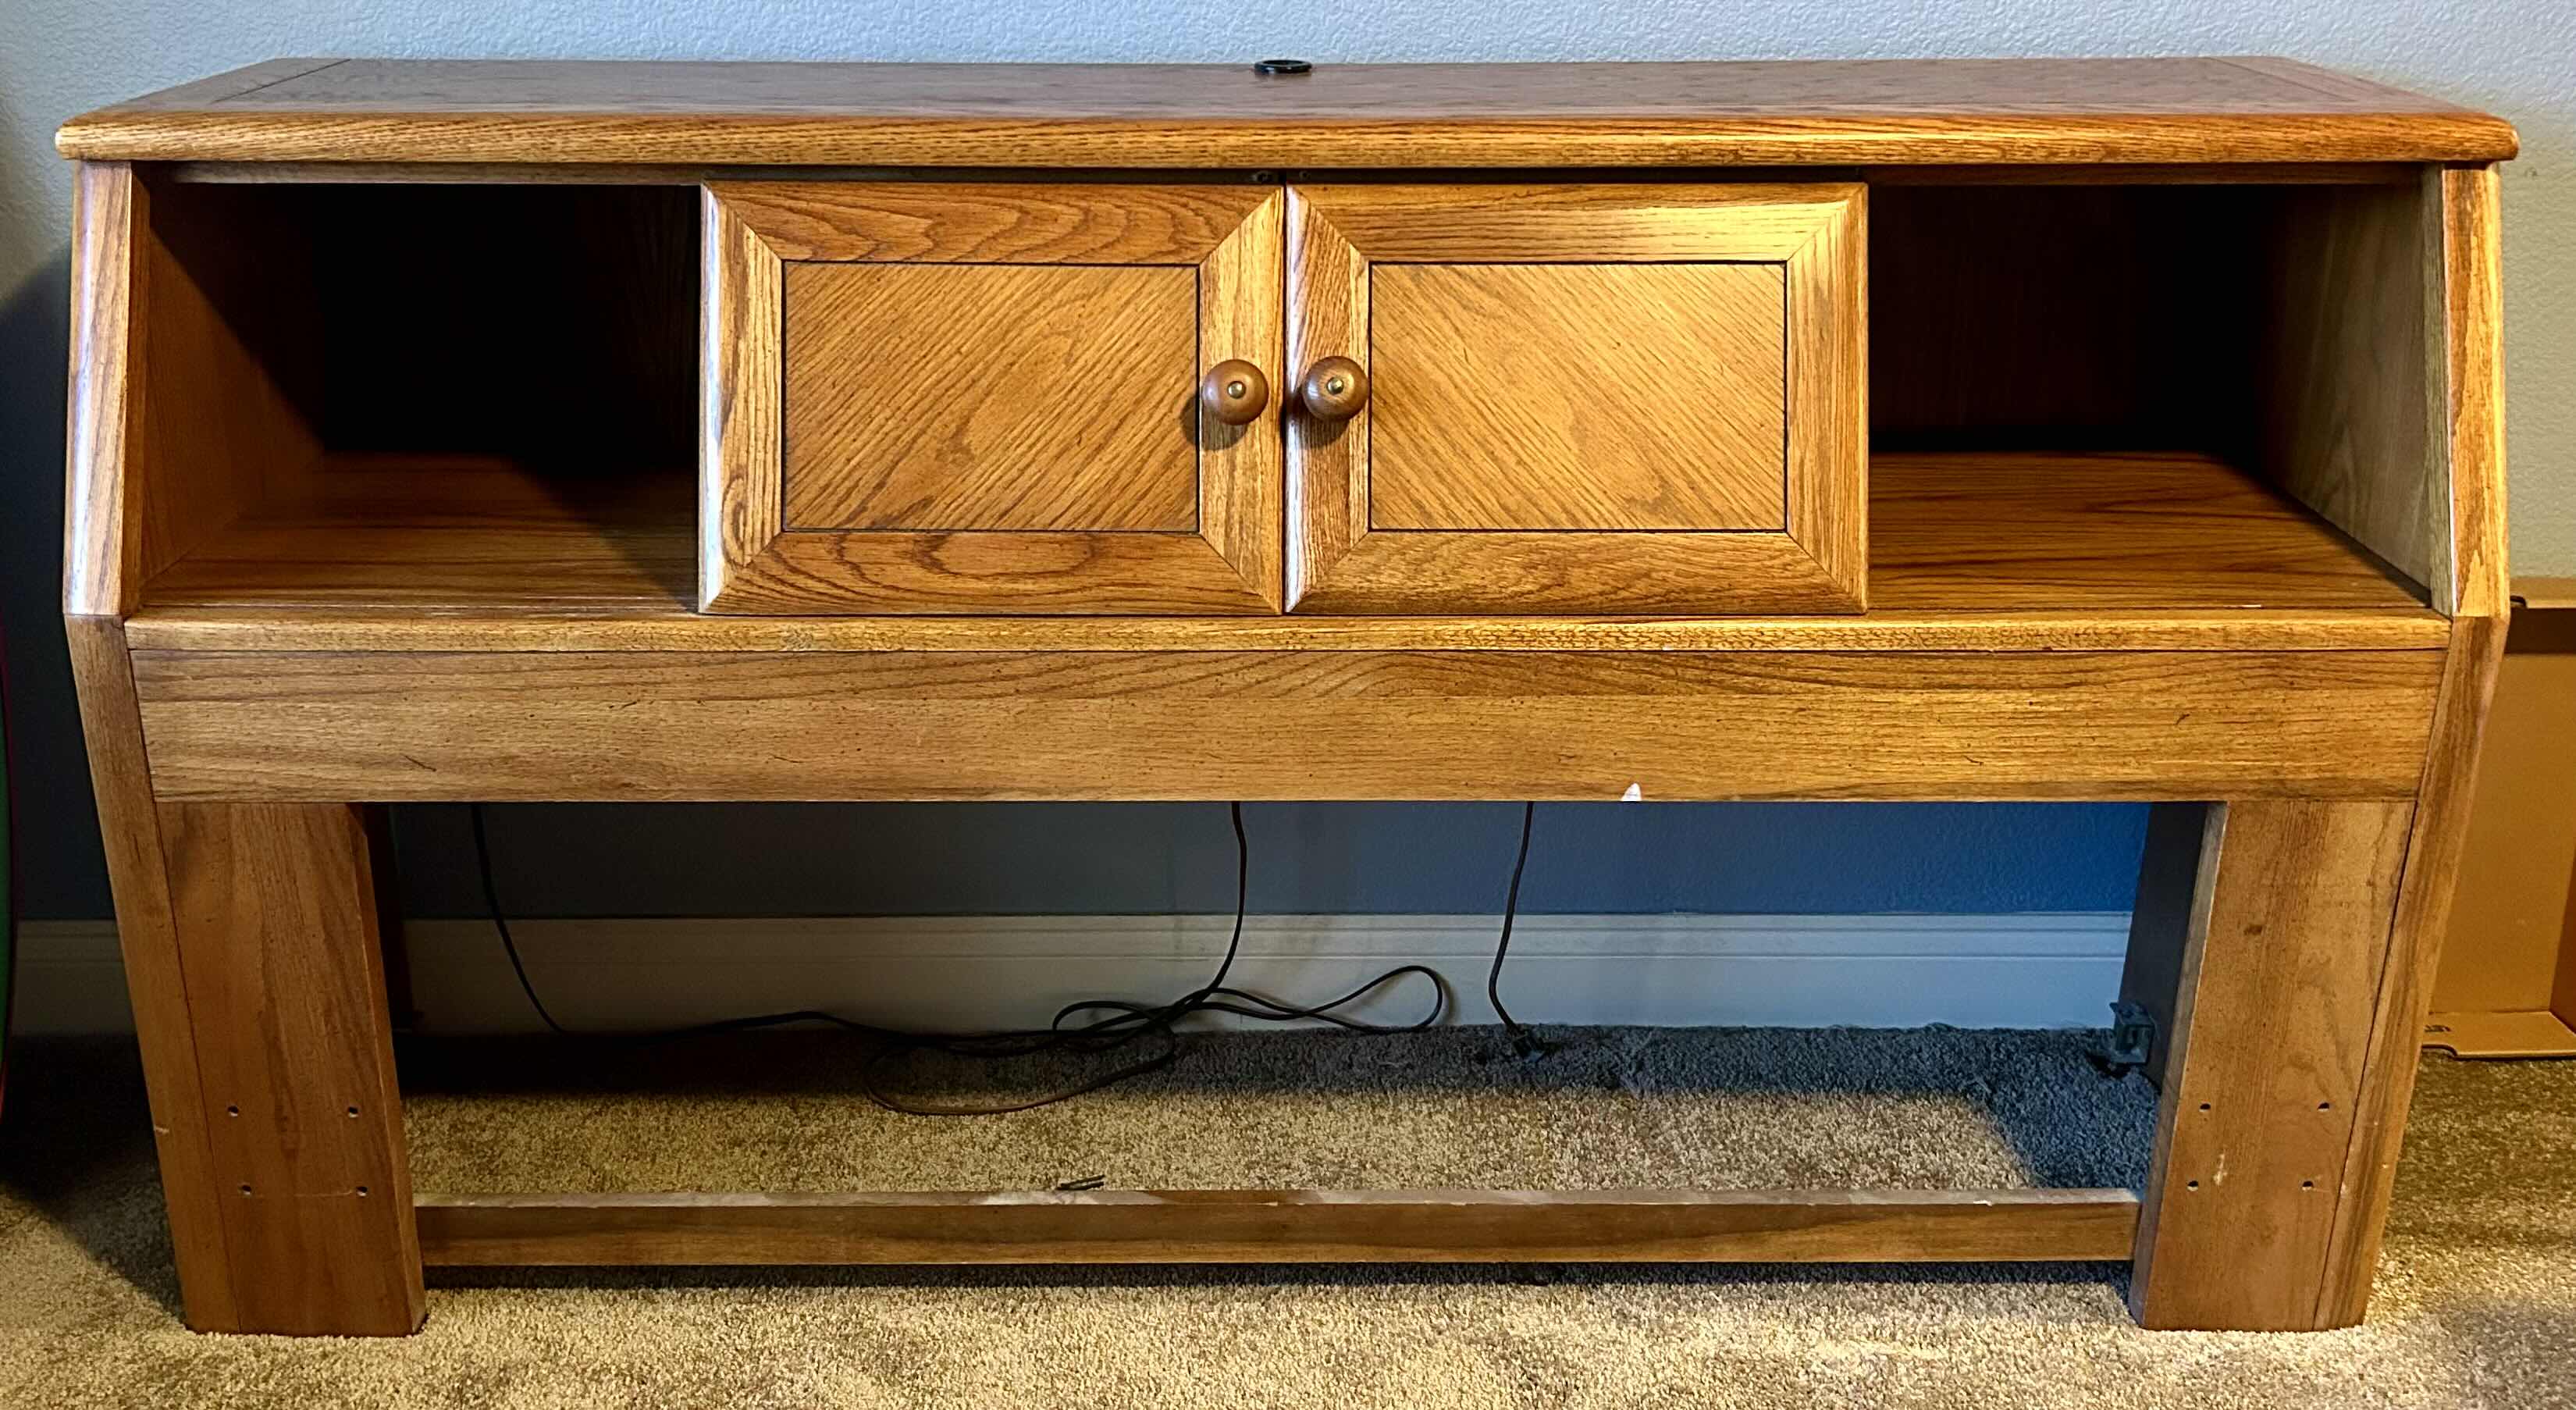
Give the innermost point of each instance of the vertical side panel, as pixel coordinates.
(1240, 466)
(1828, 321)
(154, 981)
(2350, 376)
(1327, 316)
(739, 450)
(2470, 277)
(177, 424)
(2279, 988)
(98, 579)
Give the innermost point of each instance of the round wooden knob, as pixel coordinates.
(1234, 391)
(1334, 389)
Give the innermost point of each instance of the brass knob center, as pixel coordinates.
(1334, 389)
(1233, 392)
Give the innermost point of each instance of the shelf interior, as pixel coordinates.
(2084, 399)
(471, 533)
(2017, 531)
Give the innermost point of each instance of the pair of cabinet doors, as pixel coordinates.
(967, 397)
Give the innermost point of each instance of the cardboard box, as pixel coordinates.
(2508, 978)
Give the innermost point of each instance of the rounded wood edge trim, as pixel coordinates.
(289, 629)
(245, 133)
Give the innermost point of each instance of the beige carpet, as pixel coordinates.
(2477, 1301)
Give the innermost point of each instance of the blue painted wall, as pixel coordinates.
(969, 858)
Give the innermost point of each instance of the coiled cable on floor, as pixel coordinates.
(1122, 1022)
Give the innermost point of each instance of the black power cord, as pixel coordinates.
(1126, 1021)
(501, 921)
(1524, 1042)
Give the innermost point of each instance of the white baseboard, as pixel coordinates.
(2043, 970)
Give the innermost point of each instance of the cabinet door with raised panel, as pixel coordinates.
(985, 397)
(1577, 399)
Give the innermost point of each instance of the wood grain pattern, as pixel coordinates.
(98, 576)
(176, 426)
(1828, 440)
(2043, 540)
(949, 397)
(155, 980)
(2350, 374)
(1075, 572)
(1243, 469)
(1578, 396)
(1006, 222)
(694, 175)
(1383, 725)
(741, 445)
(755, 559)
(414, 531)
(1579, 222)
(2289, 929)
(272, 628)
(2470, 415)
(2414, 958)
(1280, 1226)
(275, 911)
(250, 957)
(1345, 560)
(1972, 530)
(2007, 111)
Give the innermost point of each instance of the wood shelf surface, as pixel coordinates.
(421, 532)
(1969, 551)
(2013, 531)
(1944, 111)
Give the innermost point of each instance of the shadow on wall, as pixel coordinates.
(60, 873)
(1307, 858)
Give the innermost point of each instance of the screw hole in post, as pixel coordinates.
(362, 1192)
(2325, 1106)
(2204, 1106)
(2307, 1184)
(353, 1113)
(2191, 1184)
(245, 1189)
(232, 1111)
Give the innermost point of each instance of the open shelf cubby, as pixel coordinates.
(2082, 397)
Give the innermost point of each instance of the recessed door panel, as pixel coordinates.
(985, 397)
(1577, 396)
(988, 397)
(1577, 399)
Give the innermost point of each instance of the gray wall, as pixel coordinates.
(58, 57)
